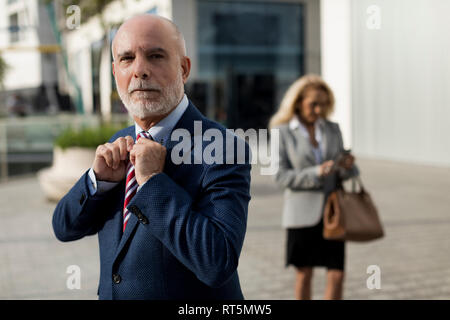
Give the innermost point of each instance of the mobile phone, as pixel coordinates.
(341, 156)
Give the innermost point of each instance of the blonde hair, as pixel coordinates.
(295, 95)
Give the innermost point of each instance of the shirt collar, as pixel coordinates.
(294, 123)
(160, 132)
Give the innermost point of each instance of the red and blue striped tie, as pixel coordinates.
(131, 183)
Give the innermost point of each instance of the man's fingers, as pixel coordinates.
(142, 141)
(130, 143)
(133, 157)
(123, 148)
(115, 154)
(147, 141)
(105, 153)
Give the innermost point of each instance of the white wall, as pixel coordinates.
(401, 79)
(335, 18)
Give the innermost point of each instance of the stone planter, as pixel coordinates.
(68, 166)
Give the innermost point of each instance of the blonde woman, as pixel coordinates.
(308, 148)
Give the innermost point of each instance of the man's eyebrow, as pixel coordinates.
(125, 53)
(155, 50)
(147, 51)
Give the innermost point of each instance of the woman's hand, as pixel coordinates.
(325, 168)
(347, 162)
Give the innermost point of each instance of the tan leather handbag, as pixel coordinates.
(351, 216)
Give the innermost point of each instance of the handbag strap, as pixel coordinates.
(357, 180)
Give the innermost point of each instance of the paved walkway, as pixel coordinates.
(413, 257)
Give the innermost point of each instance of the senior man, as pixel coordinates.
(166, 230)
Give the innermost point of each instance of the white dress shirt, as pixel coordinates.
(318, 151)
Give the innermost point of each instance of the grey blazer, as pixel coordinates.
(298, 172)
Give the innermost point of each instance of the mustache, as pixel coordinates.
(142, 85)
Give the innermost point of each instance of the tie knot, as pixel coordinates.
(144, 134)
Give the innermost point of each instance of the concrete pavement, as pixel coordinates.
(413, 257)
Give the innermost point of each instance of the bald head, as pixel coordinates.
(153, 23)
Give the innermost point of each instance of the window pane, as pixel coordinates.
(14, 27)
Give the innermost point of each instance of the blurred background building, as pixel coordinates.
(29, 47)
(29, 86)
(386, 61)
(383, 59)
(244, 53)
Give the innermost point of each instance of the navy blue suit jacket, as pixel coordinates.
(184, 236)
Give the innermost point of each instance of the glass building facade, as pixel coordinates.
(248, 55)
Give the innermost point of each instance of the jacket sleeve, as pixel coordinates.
(79, 214)
(205, 234)
(296, 179)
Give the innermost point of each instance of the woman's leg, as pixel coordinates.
(303, 283)
(335, 284)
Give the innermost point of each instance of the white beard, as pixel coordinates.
(145, 107)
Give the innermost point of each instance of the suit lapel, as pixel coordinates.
(186, 122)
(118, 219)
(327, 136)
(304, 145)
(129, 231)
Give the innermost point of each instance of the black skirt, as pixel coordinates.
(306, 247)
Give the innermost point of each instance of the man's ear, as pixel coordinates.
(113, 71)
(185, 68)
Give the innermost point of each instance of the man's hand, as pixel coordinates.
(148, 158)
(110, 163)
